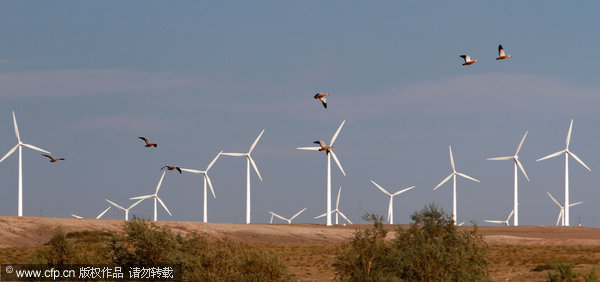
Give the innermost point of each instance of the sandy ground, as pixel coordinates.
(309, 249)
(35, 231)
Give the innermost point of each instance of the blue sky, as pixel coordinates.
(85, 79)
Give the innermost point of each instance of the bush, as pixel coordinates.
(430, 250)
(564, 272)
(146, 244)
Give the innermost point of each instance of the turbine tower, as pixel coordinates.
(329, 152)
(505, 222)
(206, 179)
(286, 219)
(567, 152)
(122, 208)
(20, 145)
(249, 161)
(391, 204)
(517, 163)
(453, 176)
(337, 209)
(562, 209)
(155, 196)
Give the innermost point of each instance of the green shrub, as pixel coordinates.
(146, 244)
(430, 250)
(564, 272)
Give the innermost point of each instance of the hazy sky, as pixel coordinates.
(86, 78)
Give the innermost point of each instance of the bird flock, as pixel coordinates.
(327, 147)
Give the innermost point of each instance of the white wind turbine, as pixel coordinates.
(206, 179)
(329, 152)
(567, 153)
(155, 196)
(285, 219)
(505, 222)
(337, 209)
(391, 204)
(124, 209)
(20, 145)
(453, 176)
(249, 161)
(562, 209)
(517, 163)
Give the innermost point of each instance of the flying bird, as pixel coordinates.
(53, 159)
(321, 96)
(468, 60)
(148, 143)
(501, 54)
(171, 168)
(323, 146)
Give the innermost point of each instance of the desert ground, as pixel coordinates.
(310, 249)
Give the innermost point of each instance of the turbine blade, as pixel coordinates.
(102, 213)
(500, 158)
(569, 134)
(444, 181)
(159, 182)
(555, 201)
(336, 133)
(16, 128)
(451, 159)
(337, 162)
(298, 213)
(403, 190)
(76, 216)
(559, 216)
(136, 203)
(321, 216)
(337, 202)
(574, 204)
(522, 169)
(344, 216)
(255, 167)
(521, 144)
(578, 160)
(210, 185)
(381, 188)
(114, 204)
(192, 170)
(256, 141)
(163, 204)
(214, 160)
(9, 152)
(279, 216)
(466, 176)
(309, 148)
(142, 197)
(36, 148)
(551, 155)
(495, 221)
(510, 215)
(234, 154)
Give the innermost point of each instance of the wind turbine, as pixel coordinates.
(505, 222)
(122, 208)
(337, 209)
(515, 158)
(249, 161)
(391, 204)
(562, 209)
(453, 176)
(285, 219)
(329, 152)
(20, 145)
(102, 213)
(567, 153)
(206, 179)
(155, 196)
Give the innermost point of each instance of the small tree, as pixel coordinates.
(432, 249)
